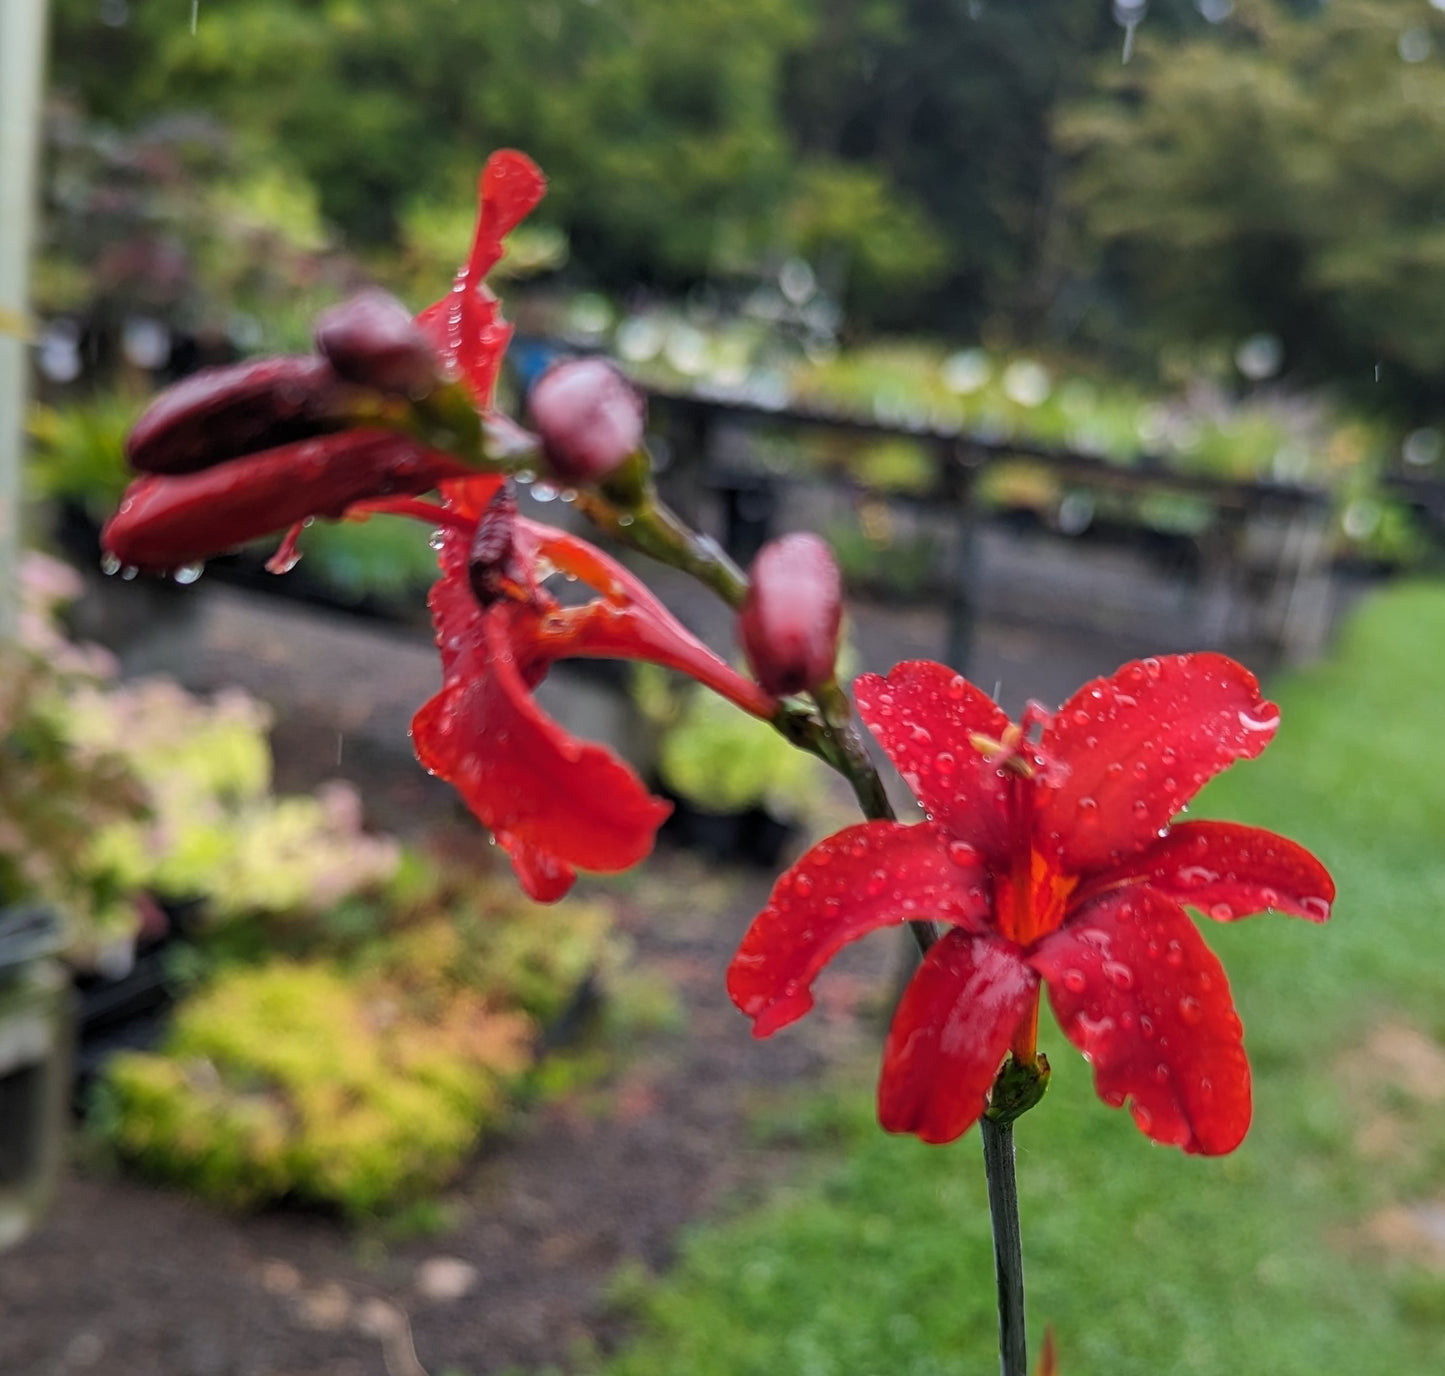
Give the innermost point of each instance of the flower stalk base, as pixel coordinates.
(1008, 1254)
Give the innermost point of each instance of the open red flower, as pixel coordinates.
(1052, 861)
(554, 803)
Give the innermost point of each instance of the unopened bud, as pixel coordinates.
(165, 521)
(590, 418)
(224, 413)
(372, 339)
(789, 623)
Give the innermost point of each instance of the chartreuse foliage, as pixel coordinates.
(879, 1260)
(363, 1079)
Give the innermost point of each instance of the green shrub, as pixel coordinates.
(296, 1079)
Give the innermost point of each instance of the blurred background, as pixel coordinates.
(1083, 330)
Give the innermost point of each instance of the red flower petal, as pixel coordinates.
(1139, 993)
(164, 522)
(542, 876)
(1227, 871)
(1138, 746)
(466, 326)
(545, 792)
(923, 715)
(866, 876)
(950, 1034)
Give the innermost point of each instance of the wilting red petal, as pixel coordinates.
(1228, 870)
(465, 326)
(1137, 746)
(875, 874)
(923, 715)
(952, 1029)
(164, 522)
(629, 622)
(524, 776)
(1139, 993)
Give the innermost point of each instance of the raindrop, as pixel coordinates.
(802, 886)
(1118, 974)
(109, 564)
(188, 573)
(436, 540)
(1258, 723)
(1222, 912)
(945, 762)
(129, 572)
(1190, 1010)
(543, 492)
(1317, 908)
(1074, 981)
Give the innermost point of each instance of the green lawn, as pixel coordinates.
(877, 1262)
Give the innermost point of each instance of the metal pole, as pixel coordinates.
(22, 63)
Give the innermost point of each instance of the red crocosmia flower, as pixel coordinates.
(1052, 860)
(554, 803)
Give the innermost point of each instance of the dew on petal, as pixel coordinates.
(1190, 1010)
(1118, 974)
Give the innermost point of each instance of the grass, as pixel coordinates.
(877, 1261)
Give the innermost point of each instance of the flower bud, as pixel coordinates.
(223, 413)
(590, 418)
(789, 622)
(372, 339)
(166, 521)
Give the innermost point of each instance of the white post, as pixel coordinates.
(22, 64)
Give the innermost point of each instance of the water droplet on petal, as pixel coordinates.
(109, 564)
(1190, 1010)
(188, 573)
(1074, 981)
(1118, 974)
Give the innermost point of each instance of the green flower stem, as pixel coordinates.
(1008, 1252)
(644, 522)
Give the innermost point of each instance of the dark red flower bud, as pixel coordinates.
(372, 339)
(165, 522)
(589, 416)
(223, 413)
(789, 622)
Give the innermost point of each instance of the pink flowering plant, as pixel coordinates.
(1049, 858)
